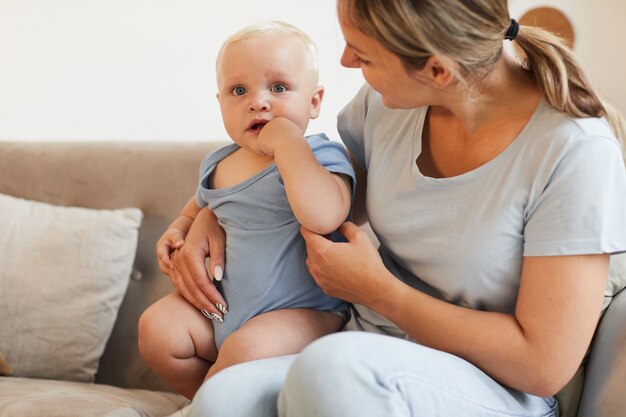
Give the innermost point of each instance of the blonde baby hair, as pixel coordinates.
(274, 28)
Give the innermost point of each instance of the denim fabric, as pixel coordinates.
(246, 390)
(352, 374)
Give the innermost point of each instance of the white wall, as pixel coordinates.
(139, 69)
(599, 33)
(143, 69)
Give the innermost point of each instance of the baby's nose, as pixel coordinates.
(259, 102)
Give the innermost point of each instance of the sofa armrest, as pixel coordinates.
(605, 373)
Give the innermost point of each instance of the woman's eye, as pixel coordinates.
(278, 88)
(239, 91)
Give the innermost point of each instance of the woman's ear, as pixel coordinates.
(439, 70)
(316, 101)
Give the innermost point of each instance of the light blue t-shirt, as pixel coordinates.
(558, 189)
(265, 253)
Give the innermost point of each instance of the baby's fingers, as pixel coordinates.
(176, 239)
(165, 246)
(163, 258)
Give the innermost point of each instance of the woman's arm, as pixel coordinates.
(319, 199)
(202, 236)
(536, 350)
(359, 211)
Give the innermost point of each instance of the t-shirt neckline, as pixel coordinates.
(480, 170)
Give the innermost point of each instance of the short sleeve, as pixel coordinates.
(332, 156)
(202, 177)
(582, 208)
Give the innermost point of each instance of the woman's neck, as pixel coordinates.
(464, 133)
(508, 93)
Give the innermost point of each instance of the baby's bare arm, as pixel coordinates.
(175, 234)
(275, 333)
(319, 199)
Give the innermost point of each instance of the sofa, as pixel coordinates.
(56, 193)
(157, 179)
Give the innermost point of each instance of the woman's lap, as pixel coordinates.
(358, 373)
(244, 390)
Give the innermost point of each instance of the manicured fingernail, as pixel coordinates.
(218, 272)
(212, 316)
(221, 308)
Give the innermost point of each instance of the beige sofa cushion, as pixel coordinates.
(22, 397)
(63, 274)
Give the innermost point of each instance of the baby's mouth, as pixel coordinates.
(257, 125)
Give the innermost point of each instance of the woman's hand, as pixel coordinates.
(352, 271)
(189, 274)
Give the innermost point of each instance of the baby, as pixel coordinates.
(261, 188)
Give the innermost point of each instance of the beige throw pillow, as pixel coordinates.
(63, 274)
(5, 368)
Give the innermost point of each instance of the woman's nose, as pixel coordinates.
(348, 58)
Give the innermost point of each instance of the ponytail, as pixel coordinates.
(471, 33)
(563, 81)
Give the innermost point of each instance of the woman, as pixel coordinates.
(496, 189)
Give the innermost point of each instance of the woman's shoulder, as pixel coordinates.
(575, 128)
(555, 142)
(553, 129)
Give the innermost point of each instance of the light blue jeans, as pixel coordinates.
(351, 374)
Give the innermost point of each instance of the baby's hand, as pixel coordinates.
(172, 239)
(276, 132)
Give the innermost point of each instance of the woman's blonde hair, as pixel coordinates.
(471, 33)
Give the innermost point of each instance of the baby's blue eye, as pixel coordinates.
(278, 88)
(239, 91)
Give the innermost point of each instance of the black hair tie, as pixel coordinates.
(513, 30)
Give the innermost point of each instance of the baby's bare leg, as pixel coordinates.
(177, 341)
(275, 333)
